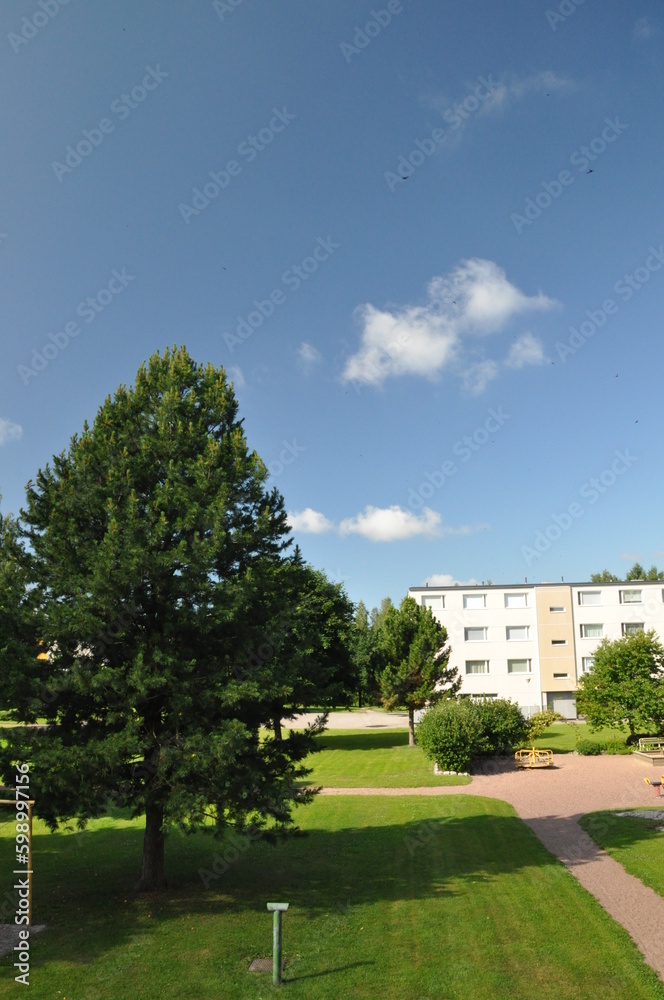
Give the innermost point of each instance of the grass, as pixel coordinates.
(562, 737)
(405, 898)
(634, 842)
(362, 758)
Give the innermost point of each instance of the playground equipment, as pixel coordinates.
(657, 785)
(533, 758)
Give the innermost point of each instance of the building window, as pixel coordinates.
(434, 601)
(518, 666)
(474, 601)
(631, 597)
(482, 697)
(592, 631)
(475, 634)
(560, 676)
(590, 597)
(516, 600)
(587, 663)
(517, 633)
(631, 628)
(557, 609)
(559, 642)
(477, 666)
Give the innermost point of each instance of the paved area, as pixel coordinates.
(369, 719)
(551, 801)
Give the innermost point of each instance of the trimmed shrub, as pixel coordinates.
(450, 733)
(504, 727)
(588, 748)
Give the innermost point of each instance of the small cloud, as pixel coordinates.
(237, 376)
(477, 377)
(309, 521)
(513, 89)
(447, 580)
(631, 556)
(9, 431)
(308, 356)
(527, 350)
(475, 300)
(391, 524)
(643, 30)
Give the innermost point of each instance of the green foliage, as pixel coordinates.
(637, 572)
(416, 671)
(588, 748)
(604, 577)
(504, 727)
(538, 723)
(451, 733)
(458, 730)
(156, 577)
(625, 685)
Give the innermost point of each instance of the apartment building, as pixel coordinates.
(532, 642)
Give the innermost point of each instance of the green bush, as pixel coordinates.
(588, 748)
(615, 745)
(504, 727)
(450, 733)
(454, 731)
(540, 722)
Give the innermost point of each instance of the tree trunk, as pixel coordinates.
(152, 873)
(277, 727)
(411, 727)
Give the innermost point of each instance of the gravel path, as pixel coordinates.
(551, 801)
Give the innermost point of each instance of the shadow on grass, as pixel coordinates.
(326, 972)
(612, 831)
(84, 882)
(363, 741)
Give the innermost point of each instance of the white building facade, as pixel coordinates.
(532, 642)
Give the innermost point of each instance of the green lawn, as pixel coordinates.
(634, 842)
(403, 898)
(362, 758)
(561, 737)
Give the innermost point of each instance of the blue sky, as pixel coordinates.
(426, 240)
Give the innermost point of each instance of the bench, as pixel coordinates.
(651, 744)
(533, 758)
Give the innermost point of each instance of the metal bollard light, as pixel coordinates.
(277, 909)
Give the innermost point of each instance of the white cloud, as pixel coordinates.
(308, 356)
(309, 521)
(237, 376)
(390, 524)
(527, 350)
(474, 300)
(513, 89)
(643, 30)
(477, 377)
(447, 580)
(9, 431)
